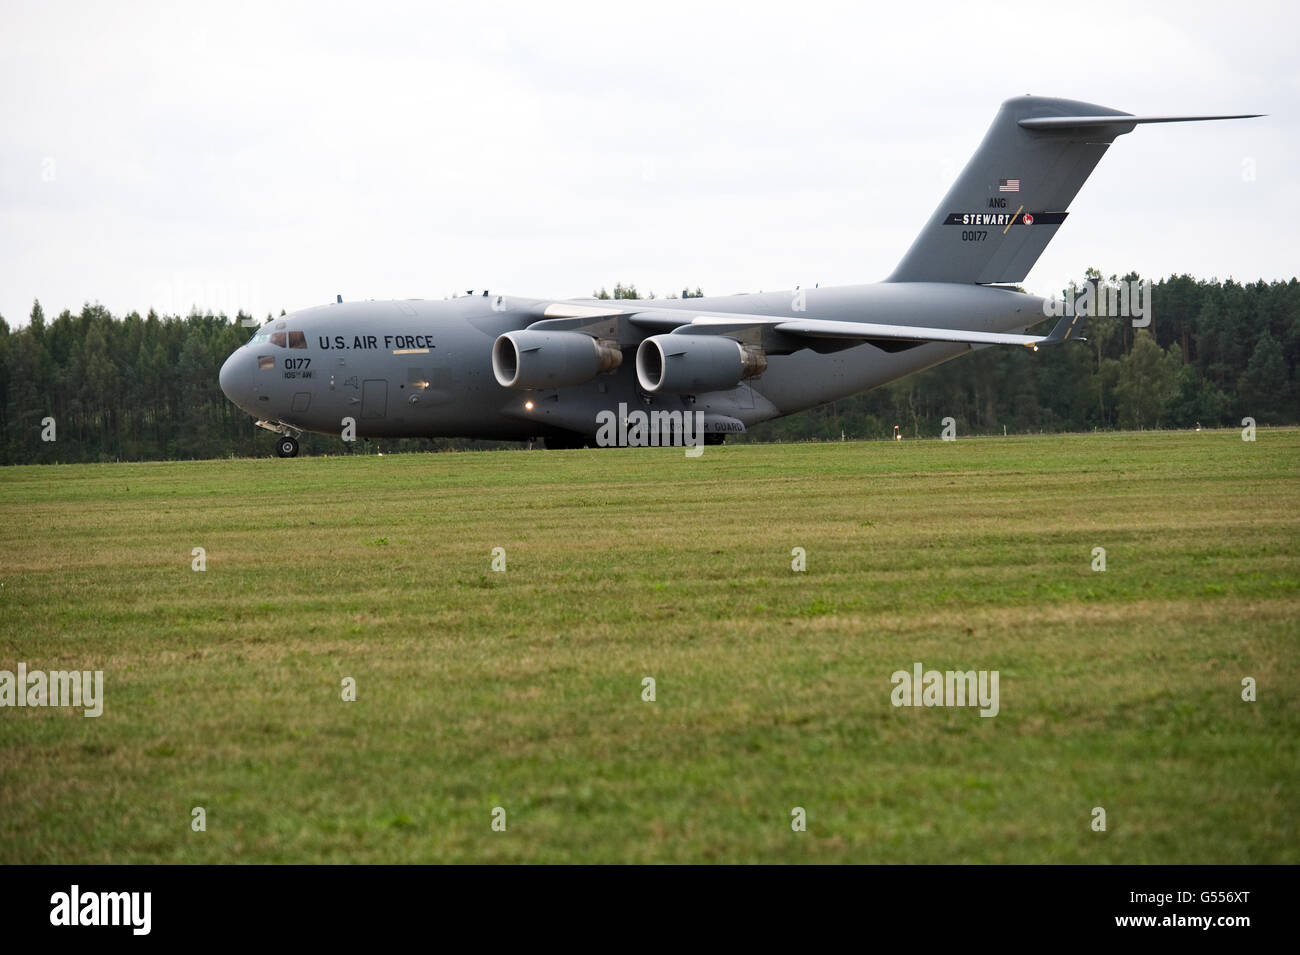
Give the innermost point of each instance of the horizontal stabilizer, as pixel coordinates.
(1116, 119)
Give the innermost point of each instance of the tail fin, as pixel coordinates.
(1013, 194)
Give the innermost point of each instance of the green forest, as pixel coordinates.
(145, 387)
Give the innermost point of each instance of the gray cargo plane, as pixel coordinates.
(508, 368)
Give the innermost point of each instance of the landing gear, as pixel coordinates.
(569, 441)
(286, 447)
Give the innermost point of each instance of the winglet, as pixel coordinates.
(1070, 326)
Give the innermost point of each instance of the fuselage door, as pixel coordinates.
(374, 398)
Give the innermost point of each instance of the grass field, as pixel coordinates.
(523, 689)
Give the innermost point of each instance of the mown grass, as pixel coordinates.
(522, 689)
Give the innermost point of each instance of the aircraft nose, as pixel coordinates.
(235, 378)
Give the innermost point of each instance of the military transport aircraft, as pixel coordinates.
(502, 367)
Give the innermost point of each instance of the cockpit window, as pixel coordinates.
(266, 363)
(263, 337)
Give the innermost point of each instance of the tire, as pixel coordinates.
(286, 447)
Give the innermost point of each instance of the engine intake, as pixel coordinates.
(690, 364)
(538, 360)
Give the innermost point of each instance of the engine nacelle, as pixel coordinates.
(540, 360)
(690, 364)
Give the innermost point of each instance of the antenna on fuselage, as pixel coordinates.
(338, 299)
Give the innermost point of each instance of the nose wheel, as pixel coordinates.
(286, 447)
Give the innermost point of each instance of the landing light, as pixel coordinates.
(528, 406)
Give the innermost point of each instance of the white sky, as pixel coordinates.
(269, 155)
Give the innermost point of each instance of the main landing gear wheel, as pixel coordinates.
(286, 447)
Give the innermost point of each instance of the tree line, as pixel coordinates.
(145, 387)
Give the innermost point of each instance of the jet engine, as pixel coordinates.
(688, 364)
(540, 360)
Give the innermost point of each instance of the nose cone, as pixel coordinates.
(236, 379)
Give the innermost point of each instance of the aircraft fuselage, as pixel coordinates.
(423, 368)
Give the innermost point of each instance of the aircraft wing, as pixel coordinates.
(877, 332)
(778, 333)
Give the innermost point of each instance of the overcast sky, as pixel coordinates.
(270, 155)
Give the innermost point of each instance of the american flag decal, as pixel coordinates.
(1008, 185)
